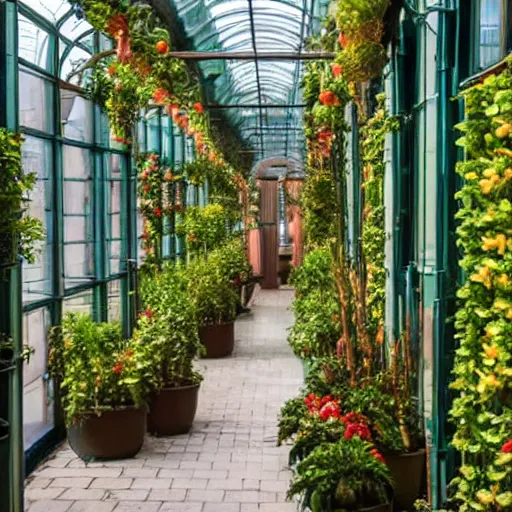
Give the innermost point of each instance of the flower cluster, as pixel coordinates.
(324, 407)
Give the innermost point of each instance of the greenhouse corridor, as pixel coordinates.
(255, 255)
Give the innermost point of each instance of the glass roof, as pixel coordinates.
(258, 92)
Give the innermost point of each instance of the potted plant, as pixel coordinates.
(167, 335)
(215, 299)
(343, 475)
(16, 230)
(102, 387)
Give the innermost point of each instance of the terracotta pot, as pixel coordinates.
(116, 434)
(408, 472)
(173, 410)
(219, 339)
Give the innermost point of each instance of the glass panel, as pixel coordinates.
(153, 131)
(50, 9)
(490, 32)
(71, 62)
(166, 138)
(114, 202)
(73, 28)
(33, 43)
(37, 389)
(78, 218)
(114, 301)
(36, 105)
(80, 303)
(37, 158)
(77, 116)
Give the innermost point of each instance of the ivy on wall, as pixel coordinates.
(482, 373)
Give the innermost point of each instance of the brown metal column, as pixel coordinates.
(268, 230)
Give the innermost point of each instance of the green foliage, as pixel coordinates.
(341, 475)
(96, 367)
(482, 411)
(213, 295)
(231, 260)
(205, 228)
(17, 230)
(167, 331)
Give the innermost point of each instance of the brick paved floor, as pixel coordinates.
(227, 463)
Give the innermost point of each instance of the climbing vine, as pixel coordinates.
(482, 373)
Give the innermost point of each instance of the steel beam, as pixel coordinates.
(254, 105)
(190, 55)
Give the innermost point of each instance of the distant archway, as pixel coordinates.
(268, 173)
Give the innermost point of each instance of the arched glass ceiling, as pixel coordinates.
(260, 97)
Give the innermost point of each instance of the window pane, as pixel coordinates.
(114, 301)
(37, 158)
(78, 218)
(115, 174)
(51, 9)
(77, 116)
(490, 32)
(72, 61)
(37, 389)
(80, 303)
(153, 131)
(33, 43)
(36, 105)
(166, 138)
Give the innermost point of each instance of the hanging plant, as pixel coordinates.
(18, 232)
(482, 372)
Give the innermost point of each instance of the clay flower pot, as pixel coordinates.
(172, 410)
(116, 434)
(408, 472)
(218, 339)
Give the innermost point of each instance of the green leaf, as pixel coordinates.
(504, 499)
(493, 110)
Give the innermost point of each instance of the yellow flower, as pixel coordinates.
(487, 185)
(503, 280)
(471, 176)
(488, 173)
(483, 276)
(509, 314)
(502, 304)
(507, 174)
(491, 351)
(500, 243)
(485, 497)
(492, 330)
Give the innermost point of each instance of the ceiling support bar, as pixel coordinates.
(251, 55)
(254, 105)
(255, 49)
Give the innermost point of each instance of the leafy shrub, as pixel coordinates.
(96, 367)
(167, 330)
(213, 295)
(342, 475)
(205, 228)
(231, 260)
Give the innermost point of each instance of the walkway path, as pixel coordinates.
(228, 462)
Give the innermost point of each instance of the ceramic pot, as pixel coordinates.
(172, 410)
(116, 434)
(218, 339)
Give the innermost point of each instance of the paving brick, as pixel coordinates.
(50, 506)
(111, 483)
(36, 494)
(140, 472)
(215, 474)
(127, 494)
(83, 494)
(221, 507)
(225, 485)
(181, 507)
(206, 496)
(151, 483)
(78, 482)
(167, 495)
(189, 483)
(38, 483)
(273, 485)
(135, 506)
(79, 472)
(278, 507)
(92, 506)
(176, 473)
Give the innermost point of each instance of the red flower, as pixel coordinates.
(157, 211)
(118, 368)
(168, 175)
(325, 135)
(129, 353)
(211, 156)
(358, 429)
(147, 188)
(342, 40)
(354, 417)
(199, 107)
(144, 174)
(111, 70)
(327, 98)
(160, 95)
(378, 455)
(507, 447)
(336, 70)
(330, 410)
